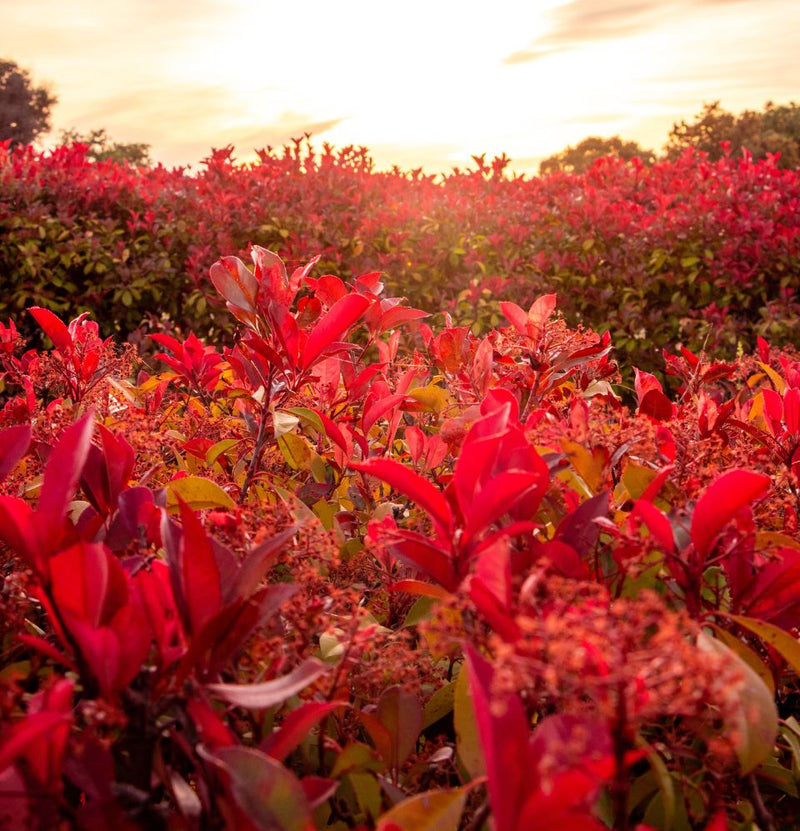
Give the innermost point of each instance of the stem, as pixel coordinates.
(258, 449)
(765, 821)
(620, 787)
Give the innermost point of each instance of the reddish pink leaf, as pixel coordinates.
(318, 789)
(213, 731)
(504, 736)
(420, 588)
(397, 315)
(255, 565)
(644, 382)
(720, 502)
(516, 315)
(421, 553)
(719, 822)
(63, 470)
(296, 726)
(270, 693)
(336, 321)
(234, 281)
(481, 370)
(414, 486)
(54, 328)
(400, 712)
(14, 444)
(88, 583)
(327, 288)
(539, 313)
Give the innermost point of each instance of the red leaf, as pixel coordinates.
(199, 573)
(657, 524)
(720, 502)
(54, 328)
(336, 321)
(415, 439)
(21, 532)
(420, 588)
(14, 444)
(63, 470)
(296, 726)
(400, 712)
(255, 565)
(504, 736)
(379, 408)
(497, 497)
(270, 693)
(20, 736)
(656, 405)
(414, 486)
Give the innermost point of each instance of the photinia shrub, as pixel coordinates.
(353, 569)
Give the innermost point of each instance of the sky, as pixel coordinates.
(421, 83)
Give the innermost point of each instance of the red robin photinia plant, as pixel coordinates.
(359, 568)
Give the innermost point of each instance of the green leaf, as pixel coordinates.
(400, 712)
(270, 796)
(746, 654)
(197, 493)
(430, 811)
(468, 743)
(756, 720)
(421, 610)
(308, 417)
(357, 758)
(439, 704)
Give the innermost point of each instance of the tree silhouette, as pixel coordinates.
(583, 155)
(24, 108)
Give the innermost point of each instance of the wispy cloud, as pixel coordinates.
(589, 21)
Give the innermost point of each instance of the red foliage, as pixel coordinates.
(355, 572)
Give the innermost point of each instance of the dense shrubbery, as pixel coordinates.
(684, 252)
(359, 571)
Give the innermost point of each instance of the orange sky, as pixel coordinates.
(419, 83)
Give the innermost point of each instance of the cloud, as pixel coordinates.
(588, 21)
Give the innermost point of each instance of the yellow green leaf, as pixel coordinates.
(439, 704)
(433, 398)
(636, 478)
(779, 383)
(588, 463)
(781, 641)
(296, 450)
(429, 811)
(219, 449)
(197, 493)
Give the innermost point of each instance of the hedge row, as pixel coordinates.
(684, 252)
